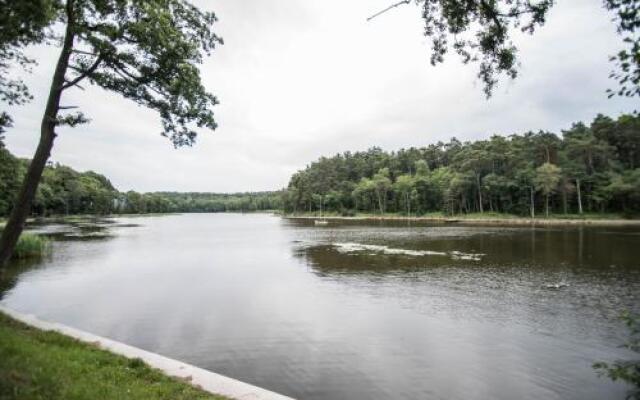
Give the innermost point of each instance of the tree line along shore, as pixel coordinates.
(65, 191)
(587, 172)
(588, 169)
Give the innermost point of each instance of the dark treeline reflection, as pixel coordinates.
(488, 272)
(572, 248)
(10, 275)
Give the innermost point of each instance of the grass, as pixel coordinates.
(31, 246)
(39, 365)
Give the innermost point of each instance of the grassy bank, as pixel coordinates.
(484, 218)
(35, 364)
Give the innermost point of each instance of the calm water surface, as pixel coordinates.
(349, 310)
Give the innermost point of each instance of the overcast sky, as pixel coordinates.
(298, 79)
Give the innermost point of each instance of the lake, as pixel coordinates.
(350, 310)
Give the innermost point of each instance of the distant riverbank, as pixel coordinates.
(481, 219)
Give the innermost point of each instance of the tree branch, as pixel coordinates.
(83, 75)
(84, 52)
(388, 8)
(75, 84)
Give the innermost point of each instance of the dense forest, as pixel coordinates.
(64, 191)
(592, 168)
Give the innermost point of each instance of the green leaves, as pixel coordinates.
(72, 120)
(480, 31)
(547, 178)
(596, 164)
(5, 122)
(22, 23)
(147, 51)
(627, 61)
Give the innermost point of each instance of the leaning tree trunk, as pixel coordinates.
(22, 206)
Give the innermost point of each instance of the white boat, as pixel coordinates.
(321, 222)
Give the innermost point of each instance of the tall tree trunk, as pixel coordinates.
(546, 205)
(533, 205)
(384, 201)
(22, 206)
(564, 196)
(479, 193)
(579, 196)
(408, 201)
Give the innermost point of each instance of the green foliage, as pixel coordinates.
(10, 175)
(627, 371)
(627, 61)
(592, 167)
(480, 31)
(5, 122)
(148, 52)
(21, 23)
(546, 180)
(31, 246)
(163, 202)
(47, 365)
(65, 191)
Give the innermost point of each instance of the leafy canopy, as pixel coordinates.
(147, 51)
(627, 61)
(21, 23)
(480, 31)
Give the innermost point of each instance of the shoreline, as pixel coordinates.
(478, 221)
(199, 378)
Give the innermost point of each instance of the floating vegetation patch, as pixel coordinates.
(358, 247)
(78, 228)
(128, 225)
(79, 236)
(372, 249)
(457, 255)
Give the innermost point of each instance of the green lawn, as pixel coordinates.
(35, 364)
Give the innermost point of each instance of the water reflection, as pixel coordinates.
(351, 310)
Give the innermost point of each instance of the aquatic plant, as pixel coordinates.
(31, 246)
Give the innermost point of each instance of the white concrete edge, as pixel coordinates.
(198, 377)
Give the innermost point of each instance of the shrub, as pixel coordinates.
(347, 212)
